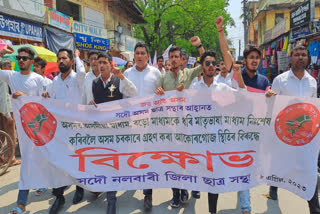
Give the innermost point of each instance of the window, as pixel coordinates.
(70, 9)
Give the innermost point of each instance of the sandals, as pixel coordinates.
(17, 210)
(40, 191)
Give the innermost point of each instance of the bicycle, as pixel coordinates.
(6, 151)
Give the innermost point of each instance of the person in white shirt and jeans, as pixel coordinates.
(67, 86)
(296, 82)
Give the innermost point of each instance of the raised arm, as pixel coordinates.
(127, 88)
(224, 43)
(195, 41)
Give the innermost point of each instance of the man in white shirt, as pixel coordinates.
(23, 83)
(160, 64)
(145, 78)
(91, 75)
(296, 82)
(225, 76)
(67, 86)
(208, 62)
(111, 85)
(39, 67)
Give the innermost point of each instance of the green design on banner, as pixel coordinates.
(297, 123)
(37, 123)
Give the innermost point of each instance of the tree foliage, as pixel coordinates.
(176, 21)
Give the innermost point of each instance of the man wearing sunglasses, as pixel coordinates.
(22, 83)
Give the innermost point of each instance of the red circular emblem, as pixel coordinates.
(297, 124)
(38, 123)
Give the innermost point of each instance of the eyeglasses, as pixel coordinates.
(24, 58)
(207, 63)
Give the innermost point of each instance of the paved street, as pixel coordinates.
(132, 201)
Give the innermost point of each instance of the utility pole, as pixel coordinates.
(245, 21)
(239, 47)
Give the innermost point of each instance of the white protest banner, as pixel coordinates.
(196, 140)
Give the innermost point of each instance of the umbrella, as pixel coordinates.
(41, 52)
(119, 61)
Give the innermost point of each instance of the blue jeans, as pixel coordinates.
(244, 200)
(23, 197)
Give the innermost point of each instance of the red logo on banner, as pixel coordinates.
(38, 123)
(297, 124)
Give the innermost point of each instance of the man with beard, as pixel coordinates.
(67, 86)
(208, 62)
(296, 82)
(252, 57)
(109, 86)
(23, 83)
(184, 60)
(225, 77)
(91, 75)
(177, 79)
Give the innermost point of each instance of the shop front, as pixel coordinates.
(20, 31)
(58, 31)
(89, 37)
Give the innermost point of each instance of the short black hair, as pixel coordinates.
(299, 47)
(92, 53)
(249, 49)
(69, 52)
(40, 61)
(205, 54)
(28, 51)
(105, 55)
(175, 48)
(159, 57)
(183, 53)
(197, 62)
(141, 45)
(128, 63)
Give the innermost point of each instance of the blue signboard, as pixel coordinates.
(86, 42)
(18, 28)
(300, 32)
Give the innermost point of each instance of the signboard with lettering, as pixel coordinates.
(18, 28)
(90, 30)
(86, 42)
(283, 60)
(300, 32)
(300, 15)
(58, 19)
(28, 9)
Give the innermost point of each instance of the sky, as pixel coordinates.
(236, 33)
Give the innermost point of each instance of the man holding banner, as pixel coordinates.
(299, 83)
(109, 86)
(67, 86)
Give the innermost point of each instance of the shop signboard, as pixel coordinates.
(86, 42)
(316, 27)
(18, 28)
(28, 9)
(130, 43)
(300, 15)
(58, 19)
(90, 30)
(283, 60)
(300, 32)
